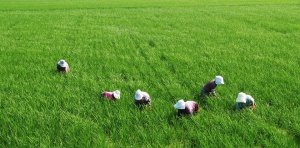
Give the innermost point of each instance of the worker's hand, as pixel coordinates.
(252, 107)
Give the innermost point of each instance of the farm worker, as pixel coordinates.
(209, 88)
(142, 98)
(243, 100)
(111, 95)
(63, 66)
(188, 107)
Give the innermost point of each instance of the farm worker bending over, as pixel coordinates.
(63, 66)
(188, 107)
(243, 100)
(111, 95)
(142, 98)
(209, 88)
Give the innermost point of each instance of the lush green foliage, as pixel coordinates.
(167, 48)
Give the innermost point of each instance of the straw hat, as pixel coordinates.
(138, 95)
(180, 104)
(241, 97)
(219, 80)
(117, 94)
(62, 63)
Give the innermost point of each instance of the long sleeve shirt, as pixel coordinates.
(108, 95)
(190, 108)
(60, 68)
(210, 86)
(248, 103)
(145, 99)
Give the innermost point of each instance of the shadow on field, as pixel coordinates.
(297, 138)
(171, 118)
(175, 120)
(202, 101)
(143, 107)
(233, 108)
(55, 73)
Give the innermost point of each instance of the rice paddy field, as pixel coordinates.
(168, 48)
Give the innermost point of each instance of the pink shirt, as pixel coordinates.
(108, 95)
(191, 106)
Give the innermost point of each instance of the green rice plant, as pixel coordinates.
(169, 49)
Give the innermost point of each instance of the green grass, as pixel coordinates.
(91, 4)
(169, 49)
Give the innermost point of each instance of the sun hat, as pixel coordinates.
(138, 95)
(62, 63)
(219, 80)
(116, 94)
(249, 97)
(180, 104)
(241, 98)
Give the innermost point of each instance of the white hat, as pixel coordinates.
(241, 97)
(180, 104)
(138, 95)
(62, 63)
(117, 94)
(249, 97)
(219, 80)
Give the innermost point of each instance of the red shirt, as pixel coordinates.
(108, 95)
